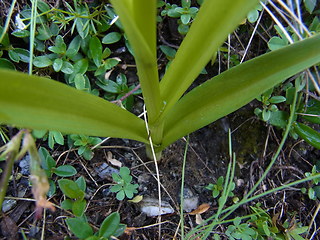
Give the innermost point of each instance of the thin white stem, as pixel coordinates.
(277, 22)
(157, 168)
(251, 37)
(297, 19)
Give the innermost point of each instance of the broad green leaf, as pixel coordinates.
(79, 227)
(236, 87)
(65, 171)
(201, 42)
(112, 37)
(109, 225)
(96, 50)
(70, 189)
(139, 21)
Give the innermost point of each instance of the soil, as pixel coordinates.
(207, 159)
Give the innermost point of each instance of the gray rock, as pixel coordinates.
(150, 206)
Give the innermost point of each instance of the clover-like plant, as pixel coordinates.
(39, 103)
(124, 187)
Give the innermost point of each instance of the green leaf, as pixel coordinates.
(168, 51)
(185, 18)
(41, 103)
(277, 99)
(6, 64)
(70, 189)
(80, 81)
(57, 64)
(310, 5)
(42, 6)
(81, 66)
(139, 22)
(96, 50)
(120, 230)
(310, 135)
(73, 47)
(14, 56)
(277, 43)
(67, 204)
(313, 108)
(112, 37)
(65, 171)
(59, 47)
(116, 188)
(44, 32)
(243, 82)
(120, 195)
(279, 119)
(67, 67)
(110, 63)
(79, 227)
(78, 207)
(42, 61)
(109, 225)
(24, 54)
(52, 188)
(201, 42)
(21, 33)
(81, 183)
(253, 16)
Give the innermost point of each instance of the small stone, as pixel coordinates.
(150, 206)
(24, 164)
(8, 204)
(105, 171)
(190, 200)
(144, 178)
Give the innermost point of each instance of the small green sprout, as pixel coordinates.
(124, 187)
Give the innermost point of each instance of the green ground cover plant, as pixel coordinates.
(170, 114)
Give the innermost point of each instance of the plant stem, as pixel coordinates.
(11, 156)
(182, 188)
(6, 25)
